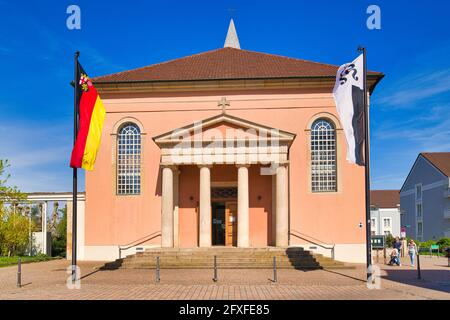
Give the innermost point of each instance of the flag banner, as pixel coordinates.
(348, 95)
(91, 116)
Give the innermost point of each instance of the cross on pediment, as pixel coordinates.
(223, 103)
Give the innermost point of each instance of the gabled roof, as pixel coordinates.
(226, 119)
(385, 198)
(225, 64)
(441, 160)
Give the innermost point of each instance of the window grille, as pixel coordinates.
(323, 157)
(129, 160)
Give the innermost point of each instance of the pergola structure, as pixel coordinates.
(41, 199)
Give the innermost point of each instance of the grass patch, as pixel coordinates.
(10, 261)
(427, 254)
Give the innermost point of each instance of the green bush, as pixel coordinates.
(390, 241)
(14, 226)
(59, 239)
(443, 243)
(427, 244)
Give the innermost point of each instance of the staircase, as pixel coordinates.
(227, 258)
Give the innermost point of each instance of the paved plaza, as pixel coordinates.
(47, 280)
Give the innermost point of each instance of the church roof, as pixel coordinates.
(225, 64)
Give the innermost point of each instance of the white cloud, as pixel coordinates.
(415, 88)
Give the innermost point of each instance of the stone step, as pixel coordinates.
(235, 251)
(219, 265)
(231, 259)
(227, 258)
(258, 255)
(224, 264)
(314, 267)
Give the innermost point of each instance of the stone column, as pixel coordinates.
(205, 206)
(176, 177)
(167, 207)
(243, 207)
(273, 220)
(282, 204)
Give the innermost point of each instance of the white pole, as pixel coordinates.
(29, 231)
(44, 226)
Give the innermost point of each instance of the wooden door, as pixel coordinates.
(231, 224)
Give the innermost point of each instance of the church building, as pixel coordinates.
(227, 147)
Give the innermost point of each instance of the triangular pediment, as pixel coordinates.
(224, 127)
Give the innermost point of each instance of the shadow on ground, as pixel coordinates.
(430, 279)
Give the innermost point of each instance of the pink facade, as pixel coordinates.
(328, 218)
(186, 150)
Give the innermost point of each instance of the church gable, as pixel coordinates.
(224, 139)
(224, 127)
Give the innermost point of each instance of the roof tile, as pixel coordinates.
(225, 63)
(440, 160)
(385, 198)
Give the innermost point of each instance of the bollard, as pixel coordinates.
(157, 270)
(215, 269)
(275, 269)
(19, 273)
(419, 275)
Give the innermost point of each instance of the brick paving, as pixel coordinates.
(47, 280)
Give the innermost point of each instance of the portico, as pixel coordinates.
(231, 147)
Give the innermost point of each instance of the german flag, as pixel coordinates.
(91, 115)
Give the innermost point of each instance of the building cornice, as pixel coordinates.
(317, 82)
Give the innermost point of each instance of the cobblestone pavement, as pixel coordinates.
(47, 280)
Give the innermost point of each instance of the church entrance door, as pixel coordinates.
(224, 223)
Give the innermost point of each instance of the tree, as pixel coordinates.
(8, 194)
(390, 241)
(15, 232)
(59, 240)
(15, 226)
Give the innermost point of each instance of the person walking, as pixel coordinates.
(412, 251)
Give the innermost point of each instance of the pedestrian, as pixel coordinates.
(394, 258)
(412, 251)
(398, 246)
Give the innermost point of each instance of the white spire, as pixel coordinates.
(232, 40)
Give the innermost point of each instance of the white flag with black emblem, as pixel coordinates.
(348, 94)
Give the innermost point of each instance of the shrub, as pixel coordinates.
(14, 233)
(390, 241)
(443, 243)
(427, 244)
(14, 227)
(59, 239)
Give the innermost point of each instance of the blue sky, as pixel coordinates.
(410, 107)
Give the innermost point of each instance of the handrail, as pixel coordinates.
(139, 241)
(298, 235)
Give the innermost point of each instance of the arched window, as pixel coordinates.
(129, 159)
(323, 156)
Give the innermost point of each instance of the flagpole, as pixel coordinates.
(75, 176)
(367, 168)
